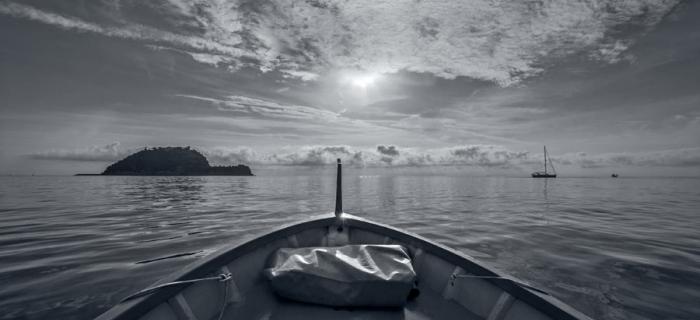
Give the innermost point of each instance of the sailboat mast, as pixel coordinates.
(545, 159)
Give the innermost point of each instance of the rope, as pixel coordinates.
(501, 278)
(224, 277)
(224, 302)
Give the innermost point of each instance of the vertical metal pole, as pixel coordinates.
(545, 160)
(339, 191)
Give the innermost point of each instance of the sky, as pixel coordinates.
(477, 86)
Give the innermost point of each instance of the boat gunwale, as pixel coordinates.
(138, 306)
(133, 308)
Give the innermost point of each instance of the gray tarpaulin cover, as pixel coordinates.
(353, 275)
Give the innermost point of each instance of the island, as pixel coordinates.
(171, 161)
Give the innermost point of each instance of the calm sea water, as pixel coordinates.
(70, 247)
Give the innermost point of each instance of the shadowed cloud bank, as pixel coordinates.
(492, 156)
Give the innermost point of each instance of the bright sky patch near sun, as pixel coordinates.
(363, 80)
(600, 78)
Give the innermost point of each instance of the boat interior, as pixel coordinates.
(451, 285)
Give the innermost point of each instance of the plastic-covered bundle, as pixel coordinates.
(353, 275)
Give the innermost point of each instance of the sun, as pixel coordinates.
(360, 80)
(364, 81)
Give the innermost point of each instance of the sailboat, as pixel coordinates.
(545, 174)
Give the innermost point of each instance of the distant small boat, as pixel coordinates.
(545, 174)
(230, 284)
(614, 175)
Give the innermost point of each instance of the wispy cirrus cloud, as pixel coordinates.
(500, 41)
(201, 48)
(264, 108)
(31, 13)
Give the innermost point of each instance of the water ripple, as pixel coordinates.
(70, 247)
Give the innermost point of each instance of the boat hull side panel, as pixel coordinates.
(204, 298)
(520, 310)
(161, 312)
(476, 295)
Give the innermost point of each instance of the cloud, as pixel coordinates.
(388, 153)
(612, 52)
(205, 50)
(382, 155)
(28, 12)
(110, 152)
(687, 157)
(388, 150)
(317, 155)
(487, 156)
(262, 108)
(300, 74)
(483, 156)
(500, 41)
(223, 156)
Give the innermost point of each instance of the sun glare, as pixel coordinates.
(360, 80)
(363, 81)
